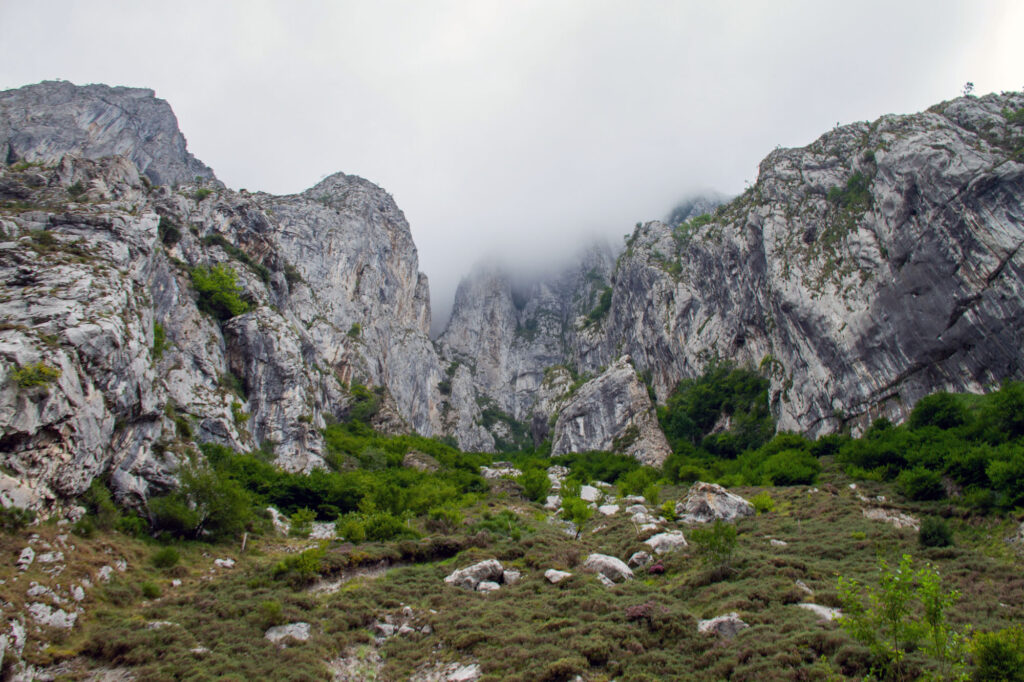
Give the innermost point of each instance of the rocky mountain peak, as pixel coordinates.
(42, 123)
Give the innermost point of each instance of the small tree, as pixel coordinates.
(536, 484)
(715, 544)
(578, 511)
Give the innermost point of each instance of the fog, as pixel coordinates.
(516, 130)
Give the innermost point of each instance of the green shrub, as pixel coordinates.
(165, 557)
(715, 544)
(219, 292)
(763, 502)
(159, 340)
(351, 528)
(535, 483)
(169, 231)
(302, 523)
(202, 193)
(577, 511)
(150, 590)
(383, 526)
(300, 569)
(791, 467)
(941, 410)
(84, 527)
(920, 483)
(76, 190)
(934, 532)
(206, 505)
(13, 519)
(652, 493)
(637, 481)
(37, 374)
(270, 614)
(355, 331)
(998, 656)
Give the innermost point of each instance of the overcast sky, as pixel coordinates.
(517, 127)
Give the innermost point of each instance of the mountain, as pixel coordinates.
(140, 317)
(147, 307)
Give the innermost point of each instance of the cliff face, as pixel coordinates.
(510, 336)
(108, 366)
(860, 273)
(878, 264)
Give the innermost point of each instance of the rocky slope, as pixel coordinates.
(108, 365)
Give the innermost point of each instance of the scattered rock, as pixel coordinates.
(511, 576)
(557, 474)
(281, 523)
(802, 586)
(384, 629)
(499, 470)
(777, 543)
(824, 613)
(553, 502)
(662, 543)
(706, 502)
(104, 573)
(724, 626)
(465, 673)
(639, 559)
(50, 557)
(224, 563)
(470, 577)
(611, 567)
(51, 617)
(77, 593)
(589, 493)
(487, 586)
(555, 576)
(26, 558)
(280, 634)
(893, 517)
(322, 530)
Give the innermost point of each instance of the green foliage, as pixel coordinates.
(270, 614)
(791, 467)
(159, 340)
(219, 292)
(302, 522)
(14, 519)
(941, 410)
(577, 511)
(300, 569)
(998, 656)
(202, 193)
(652, 494)
(150, 590)
(37, 374)
(535, 483)
(892, 619)
(77, 190)
(697, 405)
(504, 523)
(99, 503)
(365, 403)
(169, 231)
(716, 544)
(206, 505)
(637, 481)
(920, 483)
(763, 502)
(238, 254)
(598, 466)
(604, 304)
(355, 331)
(855, 195)
(934, 532)
(165, 558)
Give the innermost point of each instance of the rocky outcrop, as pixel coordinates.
(859, 273)
(727, 626)
(472, 577)
(110, 359)
(707, 502)
(45, 122)
(612, 412)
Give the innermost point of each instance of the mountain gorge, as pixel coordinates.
(147, 307)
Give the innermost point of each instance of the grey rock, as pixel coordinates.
(555, 576)
(280, 634)
(487, 586)
(45, 122)
(609, 509)
(612, 412)
(639, 559)
(414, 459)
(663, 543)
(895, 518)
(52, 617)
(706, 502)
(726, 626)
(589, 493)
(465, 673)
(26, 558)
(610, 567)
(511, 576)
(824, 613)
(470, 577)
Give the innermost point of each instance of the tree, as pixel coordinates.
(968, 88)
(578, 511)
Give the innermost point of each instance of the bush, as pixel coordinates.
(934, 533)
(165, 557)
(219, 292)
(169, 231)
(941, 410)
(920, 483)
(38, 374)
(535, 483)
(998, 656)
(302, 523)
(763, 502)
(791, 467)
(270, 614)
(715, 544)
(159, 340)
(351, 528)
(150, 590)
(300, 569)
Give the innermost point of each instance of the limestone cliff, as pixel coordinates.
(108, 364)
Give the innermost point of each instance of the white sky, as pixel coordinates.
(515, 127)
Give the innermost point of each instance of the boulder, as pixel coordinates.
(610, 567)
(511, 576)
(280, 634)
(663, 543)
(589, 493)
(639, 559)
(724, 626)
(706, 502)
(609, 509)
(470, 577)
(487, 586)
(555, 576)
(420, 461)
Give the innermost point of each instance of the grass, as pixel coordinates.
(641, 630)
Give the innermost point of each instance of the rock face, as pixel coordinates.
(706, 502)
(108, 364)
(860, 272)
(612, 412)
(45, 122)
